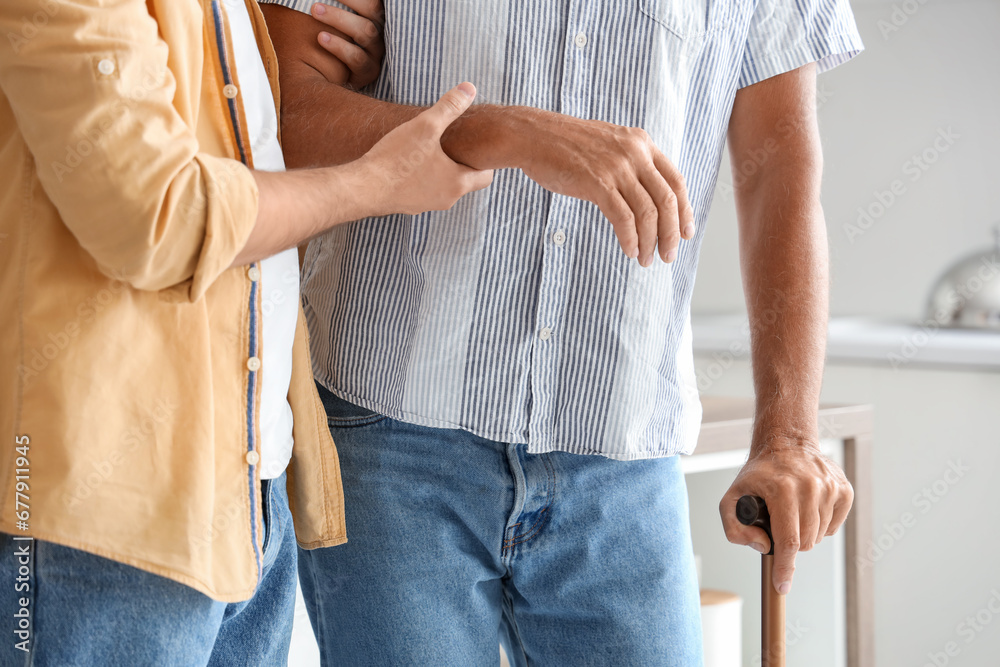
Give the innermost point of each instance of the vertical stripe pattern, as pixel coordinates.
(516, 316)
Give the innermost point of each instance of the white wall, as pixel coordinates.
(939, 70)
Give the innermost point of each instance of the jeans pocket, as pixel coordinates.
(341, 413)
(267, 511)
(274, 509)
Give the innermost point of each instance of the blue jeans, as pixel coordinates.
(456, 543)
(89, 610)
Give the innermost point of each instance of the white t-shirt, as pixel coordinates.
(279, 275)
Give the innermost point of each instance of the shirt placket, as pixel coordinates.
(231, 93)
(559, 238)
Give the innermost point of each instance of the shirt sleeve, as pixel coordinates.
(93, 99)
(787, 35)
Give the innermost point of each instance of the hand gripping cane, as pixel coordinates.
(751, 511)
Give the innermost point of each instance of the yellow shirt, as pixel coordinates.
(129, 351)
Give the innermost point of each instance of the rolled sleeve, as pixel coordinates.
(93, 96)
(784, 36)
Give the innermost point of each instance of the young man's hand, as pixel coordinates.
(407, 171)
(409, 168)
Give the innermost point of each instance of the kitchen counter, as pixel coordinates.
(867, 340)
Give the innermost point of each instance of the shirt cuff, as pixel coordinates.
(827, 51)
(230, 211)
(303, 6)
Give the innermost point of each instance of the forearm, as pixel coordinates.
(326, 124)
(406, 172)
(783, 252)
(293, 207)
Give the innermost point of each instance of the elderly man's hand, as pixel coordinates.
(355, 39)
(806, 493)
(617, 168)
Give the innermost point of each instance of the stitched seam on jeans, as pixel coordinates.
(543, 516)
(320, 625)
(534, 530)
(513, 624)
(354, 422)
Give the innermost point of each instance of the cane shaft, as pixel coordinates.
(772, 618)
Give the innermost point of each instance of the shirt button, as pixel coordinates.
(253, 458)
(106, 67)
(230, 91)
(545, 333)
(559, 237)
(580, 40)
(253, 273)
(253, 363)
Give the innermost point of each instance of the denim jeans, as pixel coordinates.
(457, 543)
(89, 610)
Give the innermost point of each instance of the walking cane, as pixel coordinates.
(751, 511)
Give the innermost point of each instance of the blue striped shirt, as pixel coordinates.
(516, 316)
